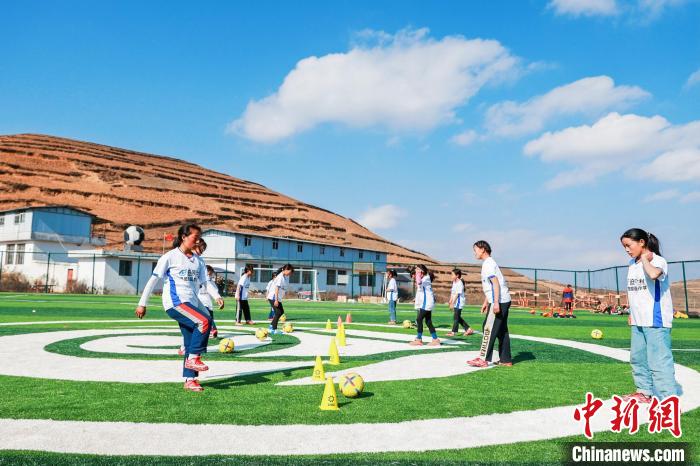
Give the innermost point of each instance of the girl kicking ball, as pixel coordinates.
(456, 303)
(651, 316)
(425, 301)
(497, 301)
(276, 294)
(182, 271)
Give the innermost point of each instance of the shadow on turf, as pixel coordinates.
(236, 381)
(524, 356)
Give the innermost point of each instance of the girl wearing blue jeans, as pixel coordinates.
(651, 317)
(392, 295)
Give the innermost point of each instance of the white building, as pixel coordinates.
(35, 242)
(114, 272)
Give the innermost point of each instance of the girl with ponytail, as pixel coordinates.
(425, 301)
(651, 316)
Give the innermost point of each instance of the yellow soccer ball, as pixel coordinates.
(226, 345)
(407, 324)
(288, 328)
(351, 385)
(283, 318)
(597, 334)
(261, 334)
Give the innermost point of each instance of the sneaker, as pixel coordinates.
(196, 364)
(238, 322)
(193, 386)
(640, 397)
(435, 342)
(505, 364)
(181, 351)
(478, 362)
(392, 322)
(469, 331)
(249, 322)
(450, 334)
(416, 342)
(214, 333)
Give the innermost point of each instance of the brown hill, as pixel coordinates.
(123, 187)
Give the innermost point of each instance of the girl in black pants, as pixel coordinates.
(276, 294)
(457, 298)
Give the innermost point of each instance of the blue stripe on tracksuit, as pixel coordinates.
(658, 321)
(194, 325)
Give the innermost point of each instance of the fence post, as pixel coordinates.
(617, 286)
(226, 277)
(2, 259)
(535, 293)
(575, 281)
(138, 275)
(93, 274)
(685, 288)
(48, 263)
(589, 281)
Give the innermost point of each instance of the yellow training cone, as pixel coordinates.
(318, 374)
(333, 353)
(330, 399)
(340, 335)
(329, 326)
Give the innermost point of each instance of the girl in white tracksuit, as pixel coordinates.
(424, 303)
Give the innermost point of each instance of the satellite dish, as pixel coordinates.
(134, 236)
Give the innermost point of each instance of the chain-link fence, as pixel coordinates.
(126, 272)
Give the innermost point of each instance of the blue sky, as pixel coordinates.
(545, 127)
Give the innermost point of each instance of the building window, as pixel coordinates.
(342, 277)
(376, 257)
(366, 279)
(300, 247)
(19, 218)
(247, 241)
(266, 274)
(323, 250)
(2, 220)
(362, 255)
(306, 277)
(331, 279)
(19, 255)
(153, 266)
(342, 252)
(125, 268)
(10, 254)
(275, 244)
(295, 277)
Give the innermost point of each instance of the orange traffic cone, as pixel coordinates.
(348, 318)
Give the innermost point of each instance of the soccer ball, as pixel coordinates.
(351, 385)
(406, 324)
(134, 235)
(261, 334)
(288, 328)
(226, 345)
(597, 334)
(283, 319)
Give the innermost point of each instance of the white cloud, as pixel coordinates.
(663, 195)
(462, 227)
(654, 8)
(691, 197)
(585, 7)
(402, 82)
(617, 142)
(382, 217)
(587, 96)
(464, 138)
(678, 165)
(693, 79)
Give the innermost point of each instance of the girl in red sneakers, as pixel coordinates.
(497, 300)
(182, 271)
(425, 301)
